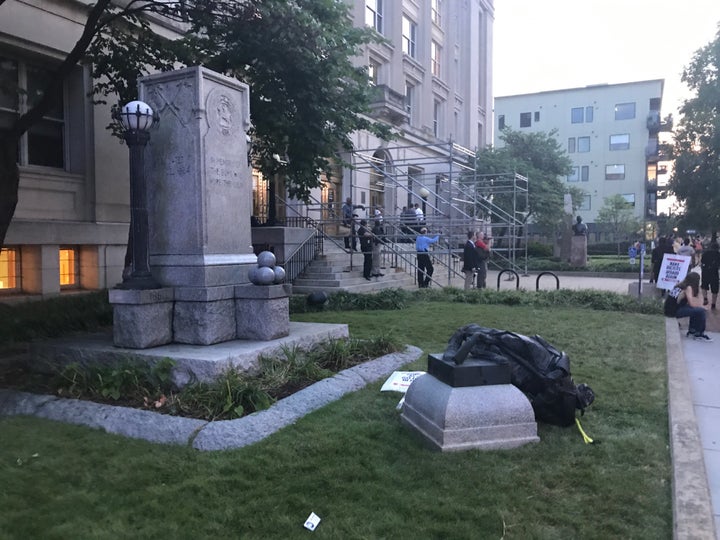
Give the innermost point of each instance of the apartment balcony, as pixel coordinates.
(651, 186)
(387, 104)
(656, 124)
(662, 169)
(655, 152)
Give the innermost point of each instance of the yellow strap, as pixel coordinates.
(587, 439)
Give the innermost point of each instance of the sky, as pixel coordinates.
(554, 44)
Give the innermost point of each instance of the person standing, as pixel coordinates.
(687, 250)
(482, 247)
(348, 221)
(419, 215)
(470, 260)
(424, 264)
(366, 247)
(709, 265)
(378, 239)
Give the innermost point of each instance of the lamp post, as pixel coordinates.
(137, 118)
(424, 193)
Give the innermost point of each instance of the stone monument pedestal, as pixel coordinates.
(578, 251)
(204, 315)
(142, 318)
(491, 414)
(262, 312)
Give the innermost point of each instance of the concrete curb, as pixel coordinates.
(692, 506)
(200, 434)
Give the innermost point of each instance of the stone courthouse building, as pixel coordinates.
(432, 83)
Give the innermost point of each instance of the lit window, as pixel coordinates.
(614, 172)
(435, 11)
(9, 269)
(44, 143)
(574, 176)
(571, 145)
(373, 71)
(583, 144)
(435, 51)
(620, 141)
(409, 36)
(525, 119)
(68, 267)
(374, 14)
(409, 91)
(624, 111)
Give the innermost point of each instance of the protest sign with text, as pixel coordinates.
(674, 268)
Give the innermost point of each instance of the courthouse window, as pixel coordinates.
(409, 37)
(9, 263)
(68, 267)
(435, 51)
(374, 14)
(44, 143)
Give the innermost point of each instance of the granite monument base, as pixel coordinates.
(578, 251)
(204, 315)
(262, 312)
(142, 318)
(473, 417)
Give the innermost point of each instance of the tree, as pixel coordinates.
(306, 96)
(619, 217)
(696, 150)
(540, 158)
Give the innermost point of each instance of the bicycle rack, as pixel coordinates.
(517, 278)
(541, 274)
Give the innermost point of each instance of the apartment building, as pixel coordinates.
(610, 132)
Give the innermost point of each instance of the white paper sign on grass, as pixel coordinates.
(399, 381)
(674, 268)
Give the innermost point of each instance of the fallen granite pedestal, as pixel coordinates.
(471, 405)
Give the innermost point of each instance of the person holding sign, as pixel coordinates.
(709, 263)
(685, 301)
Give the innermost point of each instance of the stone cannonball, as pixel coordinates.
(266, 259)
(317, 298)
(279, 274)
(265, 276)
(252, 275)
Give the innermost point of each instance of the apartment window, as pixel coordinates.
(373, 71)
(501, 121)
(585, 203)
(409, 101)
(585, 173)
(409, 37)
(577, 115)
(525, 119)
(588, 114)
(437, 117)
(571, 145)
(9, 265)
(537, 116)
(629, 198)
(435, 51)
(614, 172)
(625, 111)
(435, 11)
(374, 14)
(621, 141)
(583, 144)
(68, 268)
(44, 143)
(574, 176)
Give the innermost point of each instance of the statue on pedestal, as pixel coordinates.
(579, 229)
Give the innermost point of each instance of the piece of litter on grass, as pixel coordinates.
(399, 406)
(400, 381)
(312, 521)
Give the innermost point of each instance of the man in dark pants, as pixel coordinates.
(366, 239)
(424, 264)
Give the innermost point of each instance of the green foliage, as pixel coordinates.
(54, 317)
(354, 458)
(697, 140)
(542, 159)
(536, 249)
(619, 218)
(597, 263)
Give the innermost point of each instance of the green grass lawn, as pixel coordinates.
(355, 465)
